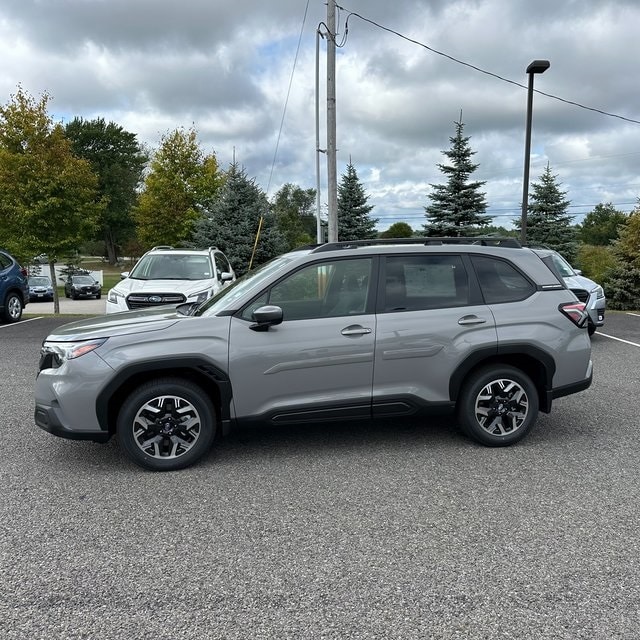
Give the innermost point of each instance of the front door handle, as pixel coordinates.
(471, 320)
(355, 330)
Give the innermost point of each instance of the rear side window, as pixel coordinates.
(500, 281)
(420, 282)
(5, 261)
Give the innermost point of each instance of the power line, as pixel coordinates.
(286, 102)
(476, 68)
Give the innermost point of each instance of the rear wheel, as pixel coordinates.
(166, 424)
(498, 405)
(13, 307)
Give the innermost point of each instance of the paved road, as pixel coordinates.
(397, 530)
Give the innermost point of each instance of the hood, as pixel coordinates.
(580, 282)
(117, 324)
(186, 287)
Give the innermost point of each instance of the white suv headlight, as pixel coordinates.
(113, 296)
(200, 297)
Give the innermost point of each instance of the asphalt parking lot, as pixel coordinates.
(396, 530)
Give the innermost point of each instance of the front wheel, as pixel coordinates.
(12, 308)
(498, 405)
(166, 424)
(591, 328)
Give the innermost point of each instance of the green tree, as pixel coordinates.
(548, 222)
(398, 230)
(48, 198)
(182, 181)
(622, 284)
(457, 207)
(294, 211)
(354, 222)
(240, 223)
(118, 160)
(601, 225)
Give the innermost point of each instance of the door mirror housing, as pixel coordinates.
(265, 317)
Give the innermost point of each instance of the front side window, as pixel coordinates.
(320, 290)
(424, 282)
(500, 281)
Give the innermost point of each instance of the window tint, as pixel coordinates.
(5, 261)
(500, 281)
(221, 264)
(425, 282)
(321, 290)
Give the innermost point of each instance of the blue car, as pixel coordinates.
(40, 288)
(14, 288)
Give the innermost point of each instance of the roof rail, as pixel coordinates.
(485, 241)
(161, 246)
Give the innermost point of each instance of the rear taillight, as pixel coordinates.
(24, 272)
(575, 311)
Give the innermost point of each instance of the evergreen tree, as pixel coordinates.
(548, 222)
(118, 160)
(294, 210)
(354, 222)
(234, 219)
(457, 207)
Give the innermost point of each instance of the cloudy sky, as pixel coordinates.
(227, 68)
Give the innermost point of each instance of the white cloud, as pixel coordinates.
(152, 66)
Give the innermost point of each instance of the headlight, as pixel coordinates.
(113, 296)
(55, 353)
(200, 297)
(599, 291)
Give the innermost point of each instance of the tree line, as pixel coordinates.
(64, 186)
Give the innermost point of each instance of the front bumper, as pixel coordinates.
(47, 419)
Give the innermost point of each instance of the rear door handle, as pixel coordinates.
(355, 330)
(471, 320)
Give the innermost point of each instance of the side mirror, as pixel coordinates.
(124, 274)
(578, 272)
(265, 317)
(226, 276)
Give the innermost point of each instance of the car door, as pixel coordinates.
(429, 320)
(318, 363)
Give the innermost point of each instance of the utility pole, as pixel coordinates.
(332, 179)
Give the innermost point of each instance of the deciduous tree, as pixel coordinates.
(182, 181)
(49, 202)
(118, 160)
(601, 225)
(294, 210)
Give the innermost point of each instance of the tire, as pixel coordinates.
(98, 296)
(591, 328)
(74, 297)
(497, 405)
(13, 307)
(166, 424)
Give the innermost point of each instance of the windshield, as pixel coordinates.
(565, 269)
(83, 279)
(225, 297)
(173, 266)
(39, 281)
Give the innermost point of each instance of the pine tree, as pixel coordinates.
(354, 222)
(548, 222)
(233, 220)
(457, 207)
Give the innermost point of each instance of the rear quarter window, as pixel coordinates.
(500, 281)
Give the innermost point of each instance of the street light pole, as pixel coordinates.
(537, 66)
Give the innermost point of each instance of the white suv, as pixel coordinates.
(165, 275)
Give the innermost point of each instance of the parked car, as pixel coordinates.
(344, 330)
(165, 275)
(14, 290)
(82, 286)
(40, 289)
(587, 291)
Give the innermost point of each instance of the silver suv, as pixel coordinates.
(165, 275)
(341, 331)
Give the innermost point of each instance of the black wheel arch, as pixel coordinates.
(213, 381)
(536, 363)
